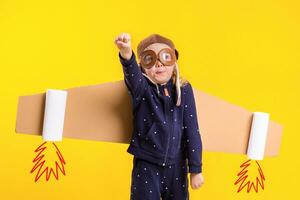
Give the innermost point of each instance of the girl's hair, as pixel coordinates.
(183, 81)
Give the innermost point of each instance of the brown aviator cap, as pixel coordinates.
(155, 38)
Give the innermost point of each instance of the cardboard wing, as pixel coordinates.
(103, 113)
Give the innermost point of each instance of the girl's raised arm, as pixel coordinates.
(134, 79)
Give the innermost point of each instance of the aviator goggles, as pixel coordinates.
(166, 56)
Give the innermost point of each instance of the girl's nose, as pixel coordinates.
(158, 64)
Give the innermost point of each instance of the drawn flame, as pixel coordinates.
(40, 161)
(243, 176)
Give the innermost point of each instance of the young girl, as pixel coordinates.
(165, 142)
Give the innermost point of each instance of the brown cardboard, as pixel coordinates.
(103, 112)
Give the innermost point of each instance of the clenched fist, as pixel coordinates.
(123, 42)
(196, 180)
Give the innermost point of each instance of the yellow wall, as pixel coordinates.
(245, 52)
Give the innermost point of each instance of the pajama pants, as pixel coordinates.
(153, 182)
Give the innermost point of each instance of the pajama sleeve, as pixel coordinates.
(191, 132)
(133, 77)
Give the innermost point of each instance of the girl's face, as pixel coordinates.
(159, 72)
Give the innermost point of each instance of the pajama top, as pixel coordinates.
(163, 133)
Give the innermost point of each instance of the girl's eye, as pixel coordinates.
(166, 56)
(148, 59)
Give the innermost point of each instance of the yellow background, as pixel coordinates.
(245, 52)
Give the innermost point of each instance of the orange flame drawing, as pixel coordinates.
(250, 184)
(40, 161)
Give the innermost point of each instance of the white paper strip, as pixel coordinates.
(258, 136)
(54, 115)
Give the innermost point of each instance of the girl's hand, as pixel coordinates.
(196, 180)
(123, 42)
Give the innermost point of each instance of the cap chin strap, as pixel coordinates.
(152, 82)
(177, 85)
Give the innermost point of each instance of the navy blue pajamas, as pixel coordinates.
(151, 181)
(165, 139)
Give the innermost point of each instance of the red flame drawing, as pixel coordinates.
(40, 161)
(250, 184)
